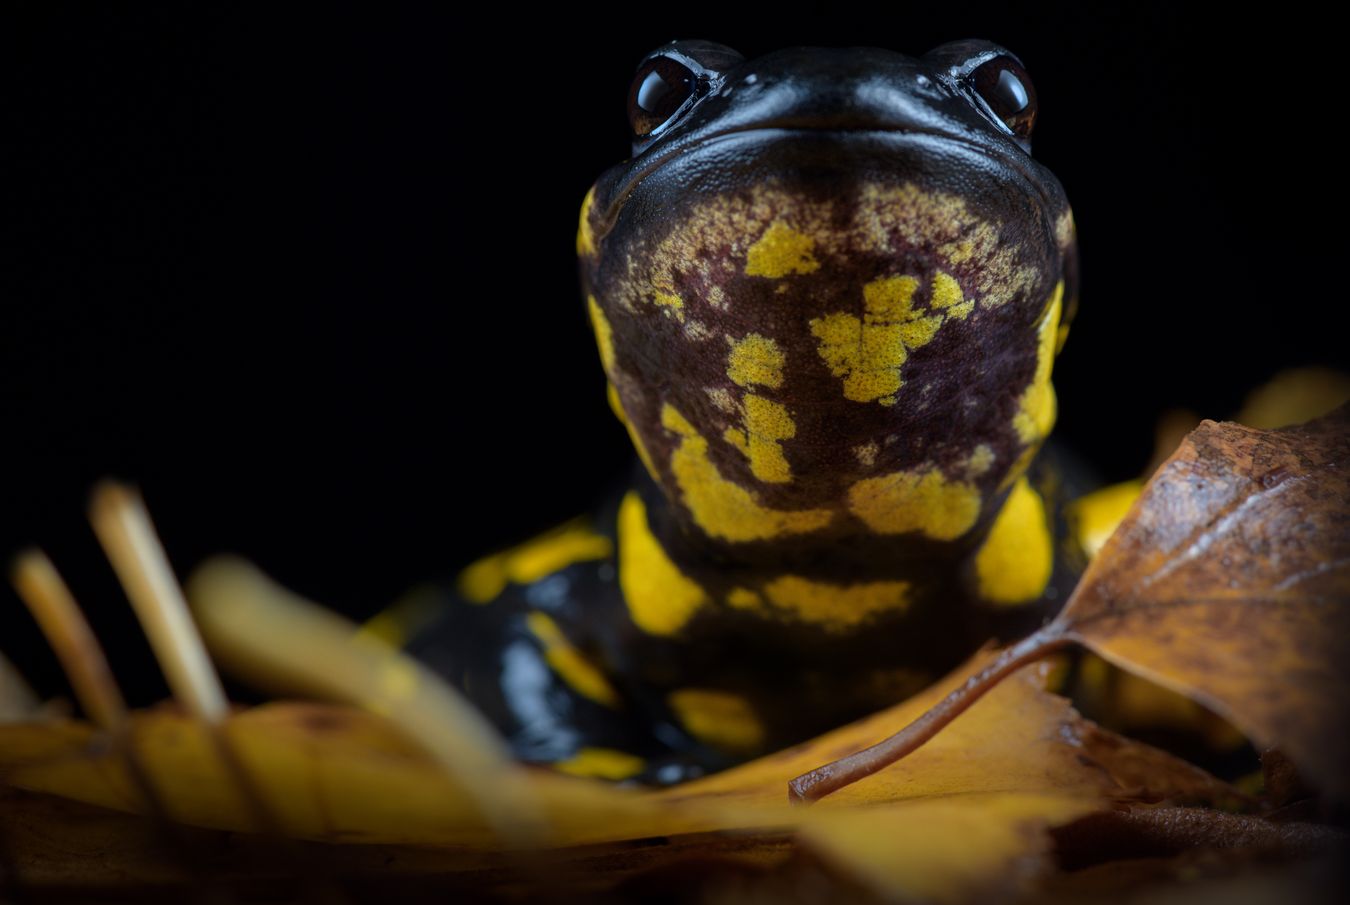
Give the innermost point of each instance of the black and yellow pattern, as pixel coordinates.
(827, 296)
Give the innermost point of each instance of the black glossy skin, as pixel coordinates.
(831, 142)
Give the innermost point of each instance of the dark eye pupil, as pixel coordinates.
(1006, 88)
(660, 89)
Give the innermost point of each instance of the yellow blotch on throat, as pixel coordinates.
(586, 238)
(1093, 517)
(981, 459)
(947, 296)
(570, 664)
(719, 718)
(767, 424)
(781, 250)
(868, 352)
(722, 508)
(604, 341)
(661, 599)
(550, 552)
(1014, 564)
(834, 607)
(755, 361)
(671, 302)
(601, 763)
(923, 500)
(604, 334)
(1036, 409)
(616, 406)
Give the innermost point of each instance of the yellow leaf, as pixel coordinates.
(947, 850)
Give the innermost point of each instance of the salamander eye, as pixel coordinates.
(1005, 86)
(662, 88)
(670, 81)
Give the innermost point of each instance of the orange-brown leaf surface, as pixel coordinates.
(1018, 739)
(1229, 581)
(1018, 764)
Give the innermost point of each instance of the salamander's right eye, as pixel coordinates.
(670, 81)
(662, 89)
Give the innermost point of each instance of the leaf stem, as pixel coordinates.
(833, 776)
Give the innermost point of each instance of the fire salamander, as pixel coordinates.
(827, 291)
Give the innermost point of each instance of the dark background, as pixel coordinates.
(253, 258)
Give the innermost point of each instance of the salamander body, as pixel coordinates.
(827, 291)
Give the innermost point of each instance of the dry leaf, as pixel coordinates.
(329, 773)
(337, 774)
(1229, 581)
(1020, 738)
(17, 700)
(946, 849)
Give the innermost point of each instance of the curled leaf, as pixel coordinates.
(1230, 582)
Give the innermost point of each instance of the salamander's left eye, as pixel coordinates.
(661, 89)
(1005, 86)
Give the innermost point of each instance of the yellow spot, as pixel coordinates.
(723, 508)
(579, 673)
(721, 398)
(718, 718)
(962, 310)
(697, 331)
(868, 353)
(616, 406)
(744, 599)
(1036, 410)
(604, 334)
(615, 403)
(1064, 229)
(1014, 564)
(1093, 518)
(483, 580)
(766, 424)
(923, 501)
(867, 453)
(660, 598)
(586, 238)
(601, 763)
(550, 552)
(781, 250)
(946, 291)
(572, 543)
(755, 360)
(980, 460)
(671, 302)
(836, 607)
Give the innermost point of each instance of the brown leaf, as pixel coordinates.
(1230, 582)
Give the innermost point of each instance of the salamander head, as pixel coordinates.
(828, 288)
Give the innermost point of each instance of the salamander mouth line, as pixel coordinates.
(768, 131)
